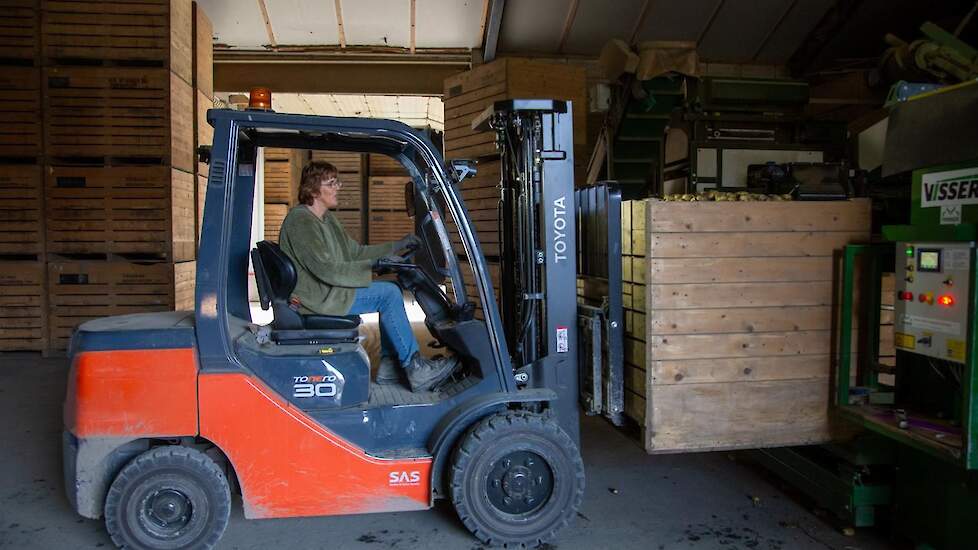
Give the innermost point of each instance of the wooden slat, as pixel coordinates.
(718, 416)
(729, 245)
(20, 123)
(690, 217)
(716, 346)
(739, 320)
(698, 296)
(740, 270)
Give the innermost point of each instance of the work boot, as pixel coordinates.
(389, 372)
(424, 374)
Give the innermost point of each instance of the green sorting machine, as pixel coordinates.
(916, 460)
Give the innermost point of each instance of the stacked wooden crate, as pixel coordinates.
(119, 167)
(283, 168)
(729, 319)
(387, 219)
(203, 84)
(350, 171)
(468, 94)
(23, 318)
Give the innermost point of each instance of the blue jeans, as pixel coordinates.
(396, 337)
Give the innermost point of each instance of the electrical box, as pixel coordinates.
(932, 296)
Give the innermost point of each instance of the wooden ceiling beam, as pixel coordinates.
(412, 25)
(709, 23)
(640, 22)
(568, 24)
(337, 78)
(268, 24)
(339, 22)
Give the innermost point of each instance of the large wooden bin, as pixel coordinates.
(729, 319)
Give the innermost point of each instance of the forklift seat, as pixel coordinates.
(276, 277)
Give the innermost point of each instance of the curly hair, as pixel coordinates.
(312, 177)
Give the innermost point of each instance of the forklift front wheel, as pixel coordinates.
(167, 498)
(516, 480)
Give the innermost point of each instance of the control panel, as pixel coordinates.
(931, 306)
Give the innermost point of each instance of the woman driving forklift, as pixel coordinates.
(335, 277)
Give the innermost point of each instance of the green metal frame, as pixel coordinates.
(868, 366)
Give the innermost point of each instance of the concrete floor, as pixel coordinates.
(695, 501)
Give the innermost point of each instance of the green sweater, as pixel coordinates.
(330, 265)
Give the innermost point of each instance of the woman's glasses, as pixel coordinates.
(332, 183)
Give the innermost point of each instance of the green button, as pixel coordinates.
(909, 251)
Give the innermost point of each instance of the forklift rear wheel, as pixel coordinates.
(168, 498)
(516, 480)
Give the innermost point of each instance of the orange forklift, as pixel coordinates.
(167, 413)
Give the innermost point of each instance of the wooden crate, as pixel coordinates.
(386, 193)
(200, 196)
(157, 33)
(352, 222)
(281, 182)
(274, 215)
(203, 131)
(79, 291)
(20, 32)
(383, 165)
(203, 52)
(184, 285)
(345, 163)
(20, 121)
(733, 347)
(468, 94)
(21, 211)
(388, 226)
(23, 314)
(146, 210)
(118, 113)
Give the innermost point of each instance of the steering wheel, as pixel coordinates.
(385, 266)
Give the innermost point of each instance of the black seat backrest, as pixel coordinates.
(276, 277)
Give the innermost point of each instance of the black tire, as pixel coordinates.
(168, 498)
(500, 474)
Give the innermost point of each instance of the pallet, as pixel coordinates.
(386, 193)
(468, 94)
(118, 112)
(729, 320)
(156, 33)
(79, 291)
(20, 124)
(20, 32)
(120, 210)
(23, 313)
(21, 211)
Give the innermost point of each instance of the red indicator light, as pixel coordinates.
(906, 296)
(922, 298)
(946, 300)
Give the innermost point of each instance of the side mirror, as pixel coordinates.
(464, 168)
(409, 198)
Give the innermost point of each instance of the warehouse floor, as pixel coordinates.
(698, 501)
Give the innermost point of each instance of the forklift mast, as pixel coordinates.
(537, 258)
